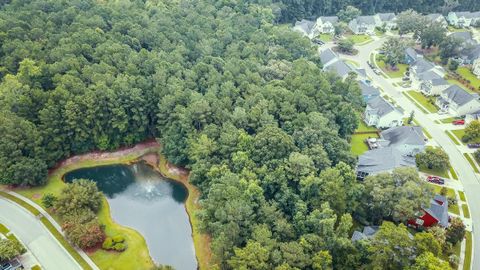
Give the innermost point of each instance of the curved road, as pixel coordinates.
(31, 231)
(467, 176)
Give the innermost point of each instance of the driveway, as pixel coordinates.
(464, 171)
(48, 251)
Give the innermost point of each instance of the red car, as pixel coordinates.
(459, 122)
(435, 179)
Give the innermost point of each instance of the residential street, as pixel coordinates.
(49, 253)
(465, 172)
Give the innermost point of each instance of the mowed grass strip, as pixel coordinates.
(472, 163)
(468, 251)
(414, 102)
(424, 101)
(466, 212)
(452, 137)
(462, 196)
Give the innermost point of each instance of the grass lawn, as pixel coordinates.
(453, 208)
(414, 102)
(362, 127)
(420, 98)
(467, 74)
(437, 189)
(448, 120)
(3, 229)
(358, 145)
(325, 37)
(468, 251)
(466, 212)
(452, 137)
(453, 173)
(472, 163)
(459, 133)
(360, 39)
(462, 196)
(402, 68)
(353, 63)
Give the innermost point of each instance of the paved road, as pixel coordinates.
(465, 172)
(50, 254)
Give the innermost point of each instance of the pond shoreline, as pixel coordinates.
(149, 152)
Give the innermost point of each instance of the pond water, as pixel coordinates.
(140, 198)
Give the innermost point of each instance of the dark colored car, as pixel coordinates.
(473, 145)
(435, 179)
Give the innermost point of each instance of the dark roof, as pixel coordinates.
(327, 55)
(422, 65)
(305, 26)
(368, 90)
(380, 106)
(382, 160)
(340, 68)
(465, 37)
(439, 81)
(428, 75)
(458, 95)
(412, 135)
(331, 19)
(385, 17)
(473, 53)
(468, 14)
(411, 53)
(434, 16)
(366, 20)
(439, 209)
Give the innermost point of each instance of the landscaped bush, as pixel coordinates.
(115, 243)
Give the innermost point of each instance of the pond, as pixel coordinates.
(140, 198)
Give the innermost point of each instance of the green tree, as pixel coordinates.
(345, 45)
(397, 195)
(84, 235)
(472, 131)
(391, 247)
(80, 194)
(49, 200)
(394, 49)
(428, 261)
(10, 248)
(348, 14)
(409, 21)
(426, 242)
(322, 261)
(432, 35)
(449, 48)
(456, 231)
(433, 158)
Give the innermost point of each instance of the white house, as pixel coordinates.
(389, 20)
(438, 18)
(363, 25)
(457, 101)
(431, 83)
(463, 19)
(382, 114)
(325, 25)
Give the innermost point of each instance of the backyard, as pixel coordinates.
(468, 75)
(358, 145)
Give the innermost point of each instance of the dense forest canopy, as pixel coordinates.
(291, 10)
(240, 101)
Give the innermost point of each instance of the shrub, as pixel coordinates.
(120, 247)
(48, 200)
(118, 239)
(108, 243)
(84, 235)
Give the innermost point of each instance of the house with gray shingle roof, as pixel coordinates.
(409, 140)
(474, 58)
(382, 160)
(458, 102)
(367, 233)
(437, 18)
(328, 57)
(305, 27)
(325, 25)
(431, 83)
(387, 20)
(463, 19)
(363, 25)
(411, 55)
(381, 114)
(368, 91)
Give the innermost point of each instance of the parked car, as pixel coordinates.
(459, 122)
(473, 145)
(405, 79)
(318, 41)
(376, 71)
(435, 179)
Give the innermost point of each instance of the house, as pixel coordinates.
(325, 25)
(466, 38)
(381, 114)
(463, 19)
(474, 57)
(368, 91)
(411, 55)
(363, 25)
(438, 18)
(304, 27)
(420, 66)
(409, 140)
(387, 20)
(367, 233)
(457, 101)
(328, 57)
(431, 83)
(380, 160)
(437, 213)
